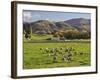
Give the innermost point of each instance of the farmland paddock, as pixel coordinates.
(56, 54)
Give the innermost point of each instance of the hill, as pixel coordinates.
(48, 27)
(80, 23)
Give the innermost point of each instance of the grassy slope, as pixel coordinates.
(33, 58)
(40, 37)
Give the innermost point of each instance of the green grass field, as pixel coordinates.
(34, 58)
(38, 37)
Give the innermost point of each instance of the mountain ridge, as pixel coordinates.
(48, 27)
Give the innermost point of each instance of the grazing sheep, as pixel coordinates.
(47, 50)
(51, 51)
(55, 55)
(41, 49)
(66, 54)
(66, 50)
(81, 53)
(61, 48)
(63, 58)
(54, 58)
(70, 49)
(69, 56)
(49, 54)
(75, 53)
(68, 59)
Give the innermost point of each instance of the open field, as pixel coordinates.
(38, 37)
(34, 58)
(44, 37)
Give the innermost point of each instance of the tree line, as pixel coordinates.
(73, 34)
(67, 33)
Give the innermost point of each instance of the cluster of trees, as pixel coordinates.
(73, 34)
(27, 31)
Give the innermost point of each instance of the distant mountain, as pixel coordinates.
(43, 26)
(79, 23)
(48, 27)
(63, 25)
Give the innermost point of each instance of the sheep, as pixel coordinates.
(63, 58)
(75, 53)
(66, 54)
(69, 56)
(81, 53)
(66, 50)
(46, 50)
(41, 49)
(51, 51)
(61, 48)
(55, 55)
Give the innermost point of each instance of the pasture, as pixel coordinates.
(34, 58)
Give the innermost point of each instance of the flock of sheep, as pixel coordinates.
(67, 54)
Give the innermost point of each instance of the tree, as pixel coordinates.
(28, 31)
(71, 34)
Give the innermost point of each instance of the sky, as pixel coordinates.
(34, 15)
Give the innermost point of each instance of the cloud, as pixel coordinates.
(46, 19)
(27, 16)
(30, 16)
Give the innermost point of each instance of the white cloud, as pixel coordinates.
(27, 16)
